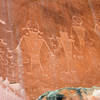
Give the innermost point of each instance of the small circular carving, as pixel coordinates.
(76, 20)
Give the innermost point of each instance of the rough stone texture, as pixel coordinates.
(11, 91)
(51, 43)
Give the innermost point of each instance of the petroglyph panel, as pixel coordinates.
(50, 44)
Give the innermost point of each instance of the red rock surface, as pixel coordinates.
(51, 43)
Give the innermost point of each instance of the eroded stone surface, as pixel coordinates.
(51, 43)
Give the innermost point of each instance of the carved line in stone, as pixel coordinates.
(94, 16)
(49, 51)
(31, 31)
(37, 31)
(76, 20)
(6, 59)
(78, 37)
(20, 61)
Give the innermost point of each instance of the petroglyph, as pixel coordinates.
(7, 62)
(77, 21)
(51, 45)
(78, 34)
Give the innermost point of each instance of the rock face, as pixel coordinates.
(11, 91)
(51, 44)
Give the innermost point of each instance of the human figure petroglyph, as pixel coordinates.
(51, 41)
(66, 44)
(35, 39)
(74, 51)
(79, 33)
(30, 44)
(33, 35)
